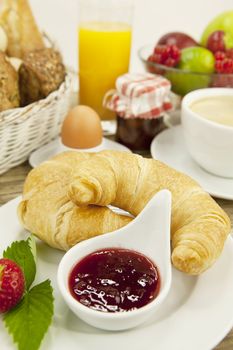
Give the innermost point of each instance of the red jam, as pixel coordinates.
(136, 133)
(114, 280)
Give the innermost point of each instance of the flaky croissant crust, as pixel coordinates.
(65, 199)
(199, 226)
(47, 211)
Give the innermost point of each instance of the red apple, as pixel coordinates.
(181, 40)
(219, 41)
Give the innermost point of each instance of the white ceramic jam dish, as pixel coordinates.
(148, 234)
(209, 143)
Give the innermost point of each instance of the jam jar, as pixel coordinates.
(140, 100)
(137, 134)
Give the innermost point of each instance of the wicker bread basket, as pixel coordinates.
(22, 130)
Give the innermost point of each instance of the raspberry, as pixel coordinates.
(12, 284)
(168, 55)
(222, 80)
(229, 53)
(150, 58)
(219, 55)
(170, 62)
(153, 68)
(224, 62)
(228, 65)
(224, 66)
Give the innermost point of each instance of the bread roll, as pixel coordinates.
(19, 24)
(41, 73)
(9, 88)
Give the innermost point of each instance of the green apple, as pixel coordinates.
(193, 60)
(224, 22)
(197, 59)
(185, 82)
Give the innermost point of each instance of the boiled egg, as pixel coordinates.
(81, 128)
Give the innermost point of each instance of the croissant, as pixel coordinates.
(56, 195)
(199, 226)
(47, 212)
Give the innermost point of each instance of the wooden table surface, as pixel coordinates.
(11, 184)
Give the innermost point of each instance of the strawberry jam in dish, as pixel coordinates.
(114, 280)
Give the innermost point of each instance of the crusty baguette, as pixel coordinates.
(46, 210)
(23, 34)
(199, 226)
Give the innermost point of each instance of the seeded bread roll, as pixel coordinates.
(41, 73)
(9, 88)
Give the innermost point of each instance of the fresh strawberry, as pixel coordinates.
(12, 284)
(168, 55)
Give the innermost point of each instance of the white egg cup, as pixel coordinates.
(149, 234)
(55, 147)
(101, 147)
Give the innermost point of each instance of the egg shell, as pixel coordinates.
(81, 128)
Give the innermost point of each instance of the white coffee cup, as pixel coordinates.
(209, 143)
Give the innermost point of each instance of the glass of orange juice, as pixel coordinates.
(105, 33)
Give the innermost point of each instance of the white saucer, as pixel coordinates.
(169, 147)
(51, 149)
(197, 314)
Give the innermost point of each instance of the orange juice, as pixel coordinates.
(104, 53)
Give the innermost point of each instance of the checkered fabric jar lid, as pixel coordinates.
(145, 96)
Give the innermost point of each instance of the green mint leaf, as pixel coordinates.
(20, 252)
(29, 321)
(32, 244)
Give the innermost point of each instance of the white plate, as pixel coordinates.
(169, 147)
(45, 152)
(196, 315)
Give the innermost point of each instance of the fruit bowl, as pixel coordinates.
(184, 81)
